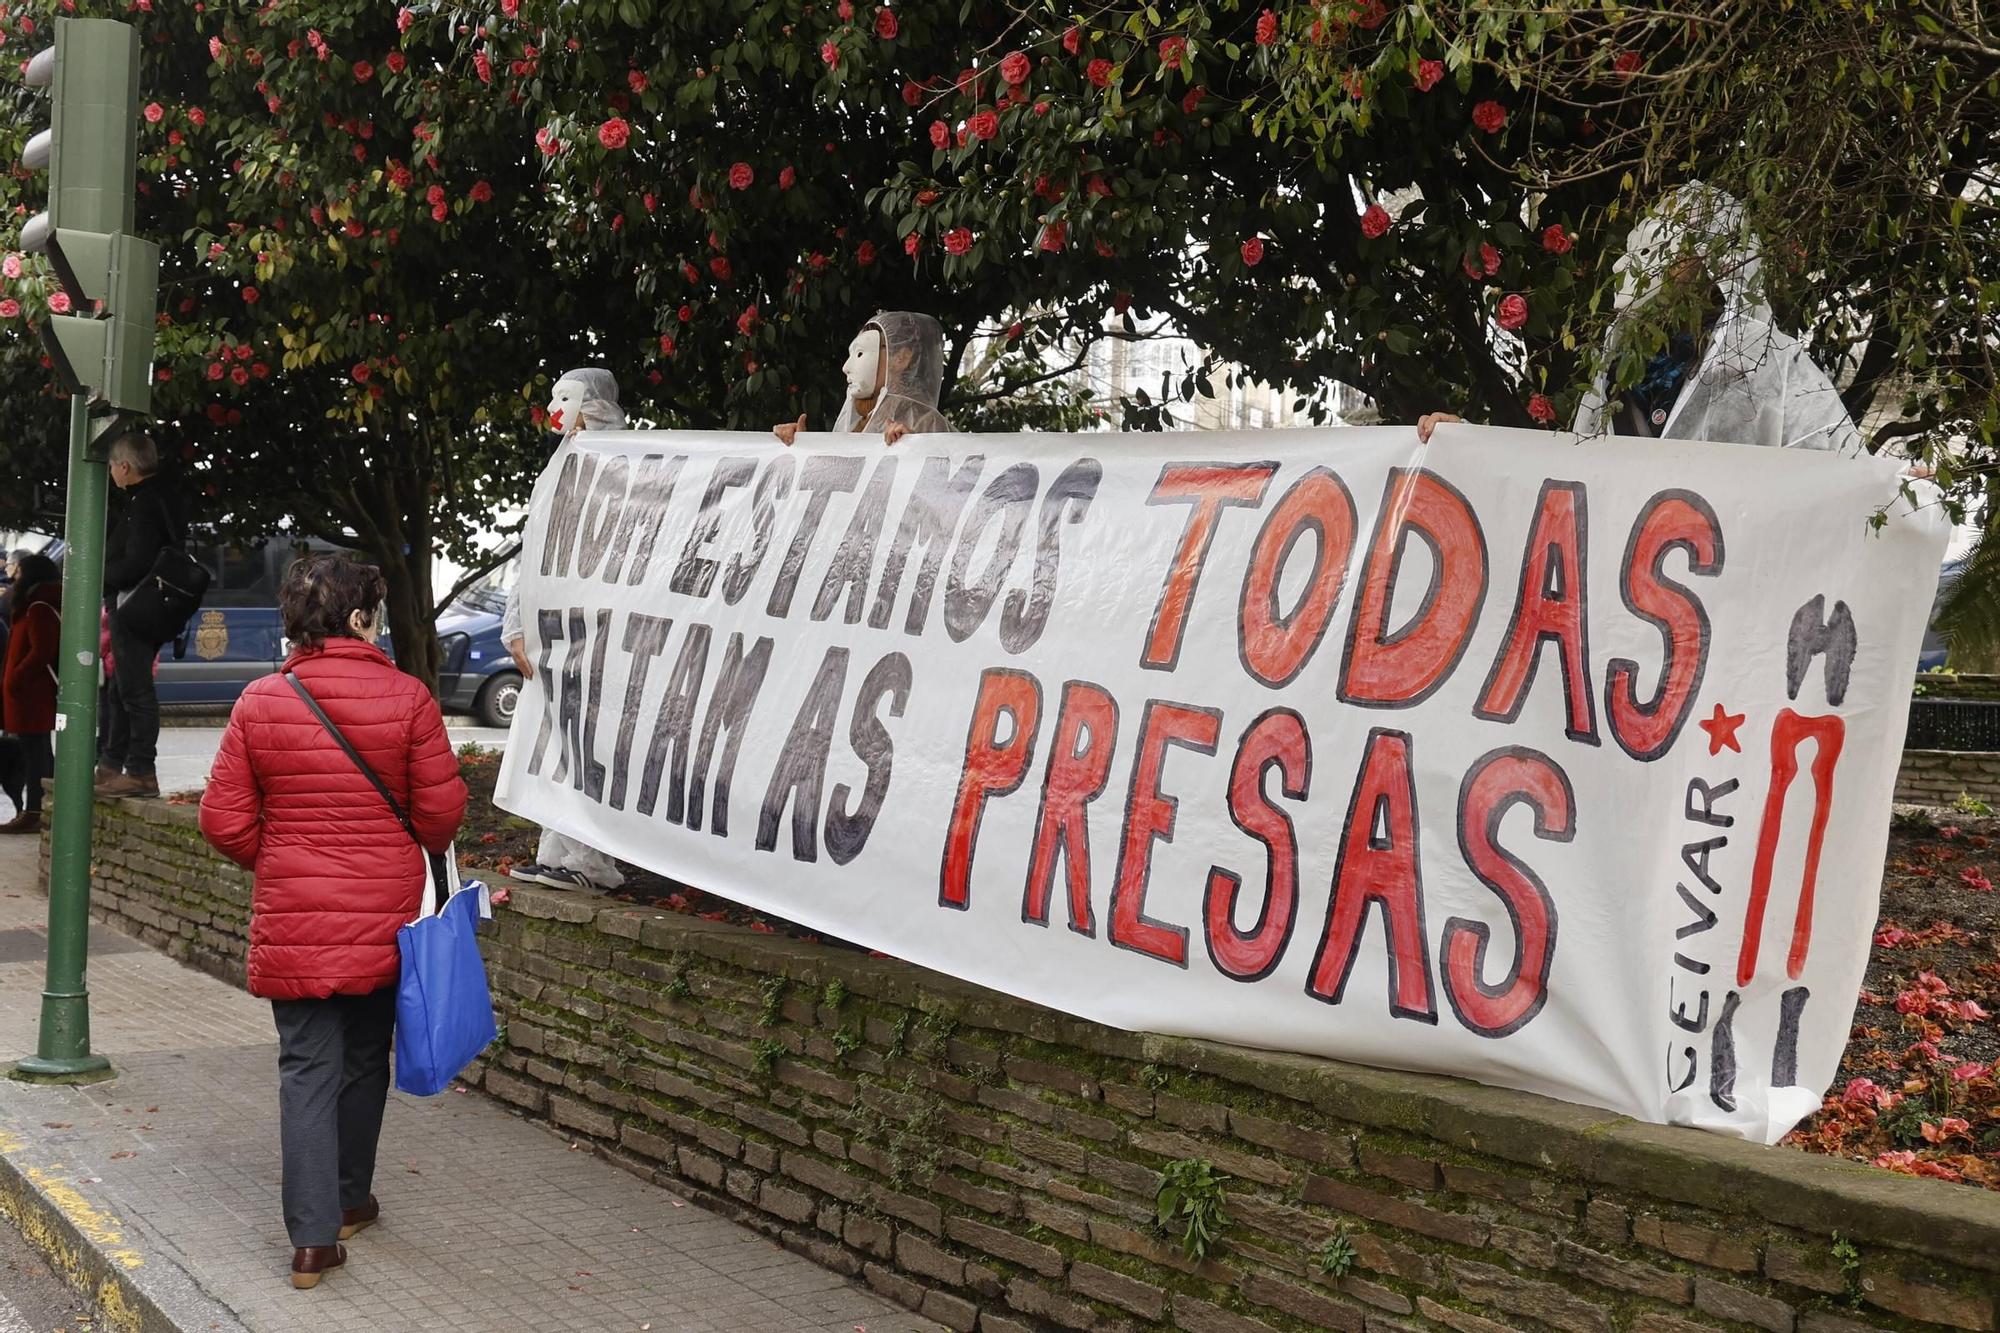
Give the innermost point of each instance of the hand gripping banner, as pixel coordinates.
(1563, 766)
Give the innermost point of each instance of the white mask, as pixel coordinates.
(863, 366)
(565, 407)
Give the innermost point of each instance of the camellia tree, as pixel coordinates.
(359, 312)
(1422, 200)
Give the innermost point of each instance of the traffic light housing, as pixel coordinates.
(104, 348)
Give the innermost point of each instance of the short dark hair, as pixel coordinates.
(321, 592)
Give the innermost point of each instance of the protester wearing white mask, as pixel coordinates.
(585, 399)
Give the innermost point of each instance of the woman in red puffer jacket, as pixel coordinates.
(28, 688)
(336, 875)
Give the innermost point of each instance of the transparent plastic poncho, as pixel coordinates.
(1753, 382)
(913, 377)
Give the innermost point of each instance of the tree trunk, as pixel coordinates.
(412, 612)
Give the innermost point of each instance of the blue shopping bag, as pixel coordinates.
(444, 1012)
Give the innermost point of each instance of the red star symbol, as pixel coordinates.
(1721, 729)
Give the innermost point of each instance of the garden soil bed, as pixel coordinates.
(1918, 1090)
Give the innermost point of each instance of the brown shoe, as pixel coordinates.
(126, 784)
(28, 821)
(104, 773)
(355, 1219)
(313, 1262)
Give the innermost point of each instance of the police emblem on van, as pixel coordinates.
(211, 639)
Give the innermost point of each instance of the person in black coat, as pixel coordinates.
(153, 517)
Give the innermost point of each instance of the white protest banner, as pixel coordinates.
(1560, 766)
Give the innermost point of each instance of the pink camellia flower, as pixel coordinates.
(1253, 251)
(1099, 72)
(1541, 409)
(958, 240)
(1192, 102)
(636, 80)
(1489, 259)
(404, 18)
(984, 124)
(1073, 39)
(719, 269)
(1041, 108)
(1490, 116)
(1627, 63)
(434, 196)
(1375, 222)
(215, 49)
(363, 71)
(9, 308)
(1054, 237)
(913, 243)
(686, 313)
(481, 192)
(360, 372)
(913, 93)
(940, 135)
(1967, 1072)
(197, 117)
(396, 62)
(886, 26)
(11, 266)
(747, 321)
(787, 178)
(482, 65)
(1267, 28)
(666, 344)
(1863, 1092)
(251, 296)
(1016, 68)
(153, 113)
(741, 177)
(864, 254)
(1555, 240)
(1513, 311)
(1946, 1128)
(1171, 51)
(239, 375)
(830, 54)
(217, 370)
(614, 133)
(1430, 73)
(845, 10)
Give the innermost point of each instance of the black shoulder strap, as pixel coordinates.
(299, 688)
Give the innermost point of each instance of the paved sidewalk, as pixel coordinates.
(170, 1174)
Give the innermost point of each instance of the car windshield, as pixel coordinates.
(487, 593)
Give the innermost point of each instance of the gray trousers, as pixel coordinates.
(333, 1082)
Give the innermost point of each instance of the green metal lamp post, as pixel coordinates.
(103, 355)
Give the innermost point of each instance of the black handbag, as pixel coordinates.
(166, 599)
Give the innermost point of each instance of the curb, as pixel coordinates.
(134, 1286)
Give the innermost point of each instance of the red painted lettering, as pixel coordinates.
(1498, 782)
(993, 767)
(1275, 740)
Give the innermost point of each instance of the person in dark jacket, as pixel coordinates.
(28, 686)
(152, 519)
(336, 876)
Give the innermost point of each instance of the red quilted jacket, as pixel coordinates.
(336, 873)
(28, 693)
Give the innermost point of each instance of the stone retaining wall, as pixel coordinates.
(996, 1165)
(1941, 777)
